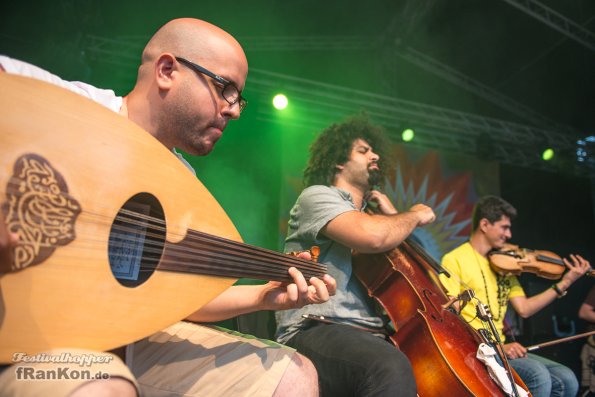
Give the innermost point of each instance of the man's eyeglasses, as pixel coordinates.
(229, 91)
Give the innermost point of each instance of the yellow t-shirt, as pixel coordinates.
(469, 270)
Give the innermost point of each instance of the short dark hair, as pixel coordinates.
(333, 146)
(492, 208)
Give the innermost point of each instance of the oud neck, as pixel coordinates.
(201, 253)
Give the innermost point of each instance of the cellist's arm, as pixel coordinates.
(376, 233)
(526, 307)
(380, 232)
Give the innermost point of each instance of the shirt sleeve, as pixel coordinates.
(515, 288)
(104, 97)
(317, 206)
(452, 284)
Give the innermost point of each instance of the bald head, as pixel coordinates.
(193, 39)
(187, 37)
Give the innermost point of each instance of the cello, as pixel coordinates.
(439, 344)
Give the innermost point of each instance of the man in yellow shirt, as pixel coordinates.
(469, 269)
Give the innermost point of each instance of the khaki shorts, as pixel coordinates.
(194, 360)
(59, 372)
(184, 359)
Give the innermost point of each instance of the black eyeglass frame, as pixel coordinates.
(240, 100)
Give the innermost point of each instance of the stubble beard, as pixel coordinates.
(186, 137)
(374, 178)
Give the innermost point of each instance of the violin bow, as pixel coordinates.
(561, 340)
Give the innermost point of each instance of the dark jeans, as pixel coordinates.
(351, 362)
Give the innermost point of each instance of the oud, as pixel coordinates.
(117, 238)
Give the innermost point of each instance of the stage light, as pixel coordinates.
(280, 101)
(547, 154)
(408, 135)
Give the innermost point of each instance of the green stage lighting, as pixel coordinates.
(408, 135)
(548, 154)
(280, 101)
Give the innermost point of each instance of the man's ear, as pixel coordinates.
(483, 224)
(339, 167)
(164, 69)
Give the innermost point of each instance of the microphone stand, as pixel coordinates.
(483, 312)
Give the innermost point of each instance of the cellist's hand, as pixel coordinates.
(382, 202)
(425, 214)
(515, 350)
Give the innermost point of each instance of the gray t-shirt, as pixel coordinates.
(315, 207)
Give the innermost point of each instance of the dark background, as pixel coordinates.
(555, 214)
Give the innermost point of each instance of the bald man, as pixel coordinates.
(188, 88)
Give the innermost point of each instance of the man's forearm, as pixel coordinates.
(234, 301)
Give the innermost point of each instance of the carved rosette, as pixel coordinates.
(39, 209)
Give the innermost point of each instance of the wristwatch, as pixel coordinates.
(558, 291)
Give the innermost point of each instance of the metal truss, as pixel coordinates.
(124, 45)
(411, 55)
(122, 51)
(319, 104)
(436, 127)
(483, 91)
(556, 20)
(304, 43)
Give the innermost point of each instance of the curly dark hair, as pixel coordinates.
(492, 208)
(333, 147)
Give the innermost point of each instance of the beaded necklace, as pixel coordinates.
(503, 288)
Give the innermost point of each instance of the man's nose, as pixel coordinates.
(231, 111)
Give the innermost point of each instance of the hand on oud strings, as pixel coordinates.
(282, 296)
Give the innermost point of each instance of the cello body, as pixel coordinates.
(439, 344)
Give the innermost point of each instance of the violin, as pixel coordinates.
(512, 260)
